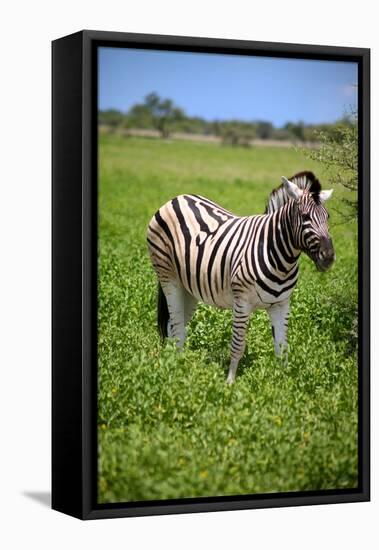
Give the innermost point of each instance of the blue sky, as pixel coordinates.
(215, 86)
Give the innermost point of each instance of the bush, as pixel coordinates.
(338, 152)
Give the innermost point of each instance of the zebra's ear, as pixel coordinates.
(325, 195)
(292, 189)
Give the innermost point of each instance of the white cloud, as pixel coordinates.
(349, 90)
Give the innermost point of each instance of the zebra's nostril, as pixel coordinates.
(326, 254)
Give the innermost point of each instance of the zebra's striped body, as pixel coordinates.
(202, 252)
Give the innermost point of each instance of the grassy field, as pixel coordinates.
(168, 425)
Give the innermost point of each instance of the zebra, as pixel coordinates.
(202, 252)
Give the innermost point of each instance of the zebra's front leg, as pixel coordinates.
(278, 314)
(241, 315)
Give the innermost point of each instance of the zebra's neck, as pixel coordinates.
(281, 244)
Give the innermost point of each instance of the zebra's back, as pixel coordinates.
(196, 241)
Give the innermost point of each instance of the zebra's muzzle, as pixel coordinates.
(326, 255)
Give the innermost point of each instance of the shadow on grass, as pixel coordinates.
(222, 358)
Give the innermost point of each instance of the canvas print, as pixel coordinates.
(227, 275)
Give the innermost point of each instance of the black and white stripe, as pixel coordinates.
(202, 252)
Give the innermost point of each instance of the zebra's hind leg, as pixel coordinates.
(278, 314)
(241, 315)
(190, 303)
(176, 302)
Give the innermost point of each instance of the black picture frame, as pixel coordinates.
(74, 265)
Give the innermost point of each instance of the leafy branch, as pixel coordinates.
(338, 152)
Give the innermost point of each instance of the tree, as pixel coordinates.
(338, 152)
(139, 116)
(163, 113)
(296, 130)
(111, 118)
(264, 129)
(236, 132)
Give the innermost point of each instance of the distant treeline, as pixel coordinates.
(165, 117)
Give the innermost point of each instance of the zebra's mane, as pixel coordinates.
(304, 180)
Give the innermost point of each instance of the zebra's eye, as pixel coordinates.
(306, 217)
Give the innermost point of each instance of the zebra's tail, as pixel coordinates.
(163, 314)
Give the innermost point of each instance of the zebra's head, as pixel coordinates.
(310, 223)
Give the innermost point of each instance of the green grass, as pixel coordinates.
(169, 426)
